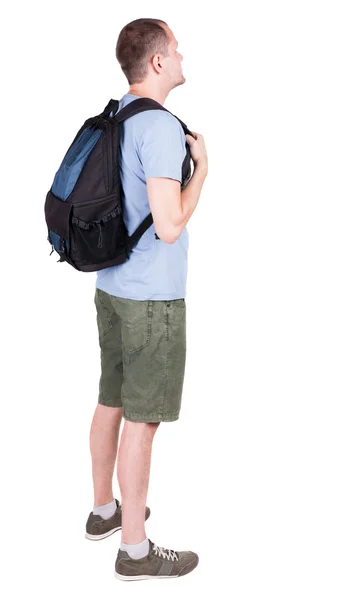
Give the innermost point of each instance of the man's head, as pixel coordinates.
(147, 52)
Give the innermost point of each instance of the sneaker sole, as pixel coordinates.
(89, 536)
(137, 577)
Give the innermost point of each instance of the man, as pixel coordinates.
(141, 312)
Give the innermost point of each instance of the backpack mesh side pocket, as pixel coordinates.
(99, 240)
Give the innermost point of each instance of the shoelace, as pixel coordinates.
(168, 554)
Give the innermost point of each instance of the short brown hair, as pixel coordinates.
(137, 43)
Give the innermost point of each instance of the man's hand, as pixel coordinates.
(197, 149)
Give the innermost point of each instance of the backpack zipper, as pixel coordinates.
(104, 125)
(97, 201)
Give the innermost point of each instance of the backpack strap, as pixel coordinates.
(131, 109)
(141, 229)
(141, 105)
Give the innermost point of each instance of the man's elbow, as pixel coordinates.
(168, 235)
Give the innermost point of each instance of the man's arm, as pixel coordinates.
(171, 209)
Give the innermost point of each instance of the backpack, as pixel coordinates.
(83, 208)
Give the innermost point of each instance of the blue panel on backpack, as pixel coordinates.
(73, 163)
(56, 241)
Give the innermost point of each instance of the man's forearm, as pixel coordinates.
(190, 196)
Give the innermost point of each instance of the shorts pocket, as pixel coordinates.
(103, 313)
(137, 325)
(178, 304)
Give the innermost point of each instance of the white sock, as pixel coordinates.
(106, 510)
(136, 551)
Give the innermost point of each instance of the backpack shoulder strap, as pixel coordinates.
(141, 105)
(137, 106)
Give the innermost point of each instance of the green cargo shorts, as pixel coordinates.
(143, 350)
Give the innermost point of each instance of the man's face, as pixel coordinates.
(173, 62)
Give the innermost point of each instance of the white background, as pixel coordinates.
(258, 474)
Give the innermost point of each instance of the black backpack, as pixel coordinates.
(83, 208)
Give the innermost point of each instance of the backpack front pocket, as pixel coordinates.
(97, 240)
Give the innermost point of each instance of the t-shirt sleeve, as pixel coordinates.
(163, 147)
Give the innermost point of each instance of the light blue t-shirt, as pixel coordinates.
(153, 145)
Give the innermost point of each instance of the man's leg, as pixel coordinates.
(153, 335)
(104, 435)
(133, 471)
(138, 557)
(105, 428)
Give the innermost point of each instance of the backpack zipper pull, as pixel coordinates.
(62, 250)
(100, 240)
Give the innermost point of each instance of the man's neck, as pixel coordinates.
(146, 92)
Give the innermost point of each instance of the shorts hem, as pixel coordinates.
(108, 403)
(151, 418)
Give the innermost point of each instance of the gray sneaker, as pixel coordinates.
(98, 528)
(159, 563)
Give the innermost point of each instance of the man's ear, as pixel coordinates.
(156, 62)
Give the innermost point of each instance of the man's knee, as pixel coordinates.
(144, 429)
